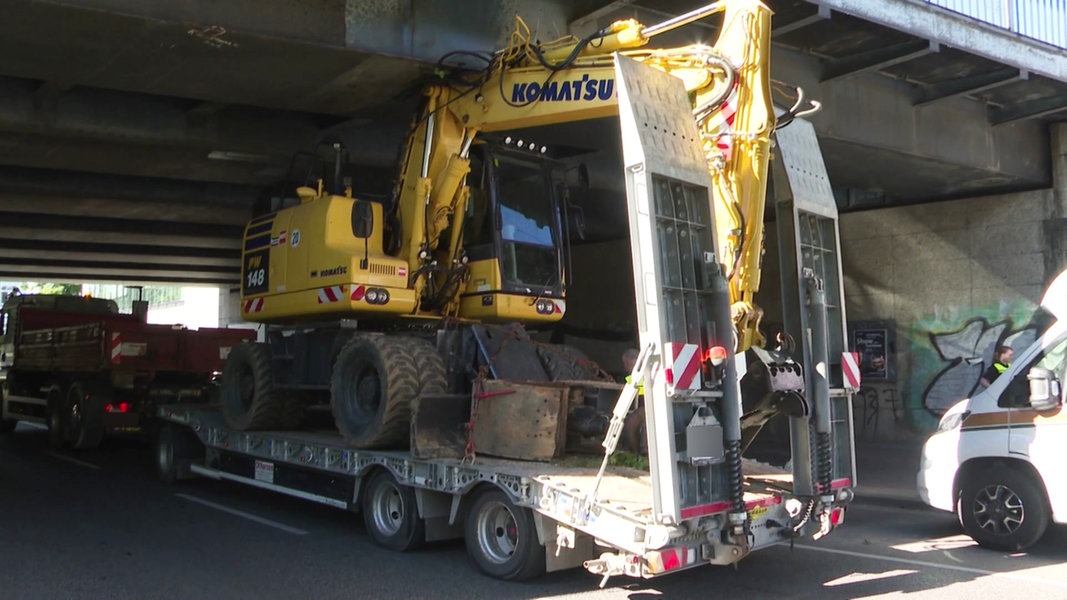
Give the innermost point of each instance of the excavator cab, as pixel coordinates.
(513, 237)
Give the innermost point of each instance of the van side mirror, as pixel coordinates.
(362, 219)
(1044, 388)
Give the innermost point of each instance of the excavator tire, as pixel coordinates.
(432, 376)
(247, 394)
(374, 380)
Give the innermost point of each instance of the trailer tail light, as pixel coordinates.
(716, 355)
(837, 516)
(663, 561)
(118, 407)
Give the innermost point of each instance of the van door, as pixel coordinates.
(1041, 436)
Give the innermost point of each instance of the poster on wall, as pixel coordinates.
(874, 343)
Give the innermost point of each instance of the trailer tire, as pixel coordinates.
(56, 404)
(501, 538)
(1003, 509)
(247, 394)
(84, 408)
(6, 425)
(176, 449)
(391, 514)
(374, 380)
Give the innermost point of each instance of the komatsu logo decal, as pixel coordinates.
(339, 270)
(586, 89)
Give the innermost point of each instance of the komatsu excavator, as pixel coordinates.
(372, 304)
(407, 316)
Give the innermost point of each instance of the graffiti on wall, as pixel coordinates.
(966, 353)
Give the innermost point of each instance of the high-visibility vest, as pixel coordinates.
(1000, 367)
(640, 388)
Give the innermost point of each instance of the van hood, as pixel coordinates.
(1055, 298)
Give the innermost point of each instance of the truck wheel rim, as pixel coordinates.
(498, 532)
(388, 508)
(998, 510)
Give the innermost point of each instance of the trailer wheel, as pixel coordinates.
(247, 394)
(176, 449)
(391, 514)
(502, 538)
(6, 425)
(373, 383)
(1003, 509)
(57, 417)
(83, 427)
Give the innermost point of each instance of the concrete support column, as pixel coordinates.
(1056, 229)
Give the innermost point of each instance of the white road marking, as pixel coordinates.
(244, 515)
(933, 565)
(80, 463)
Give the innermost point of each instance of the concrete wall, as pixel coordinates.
(953, 280)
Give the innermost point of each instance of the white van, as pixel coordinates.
(996, 459)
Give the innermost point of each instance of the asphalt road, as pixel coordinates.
(98, 525)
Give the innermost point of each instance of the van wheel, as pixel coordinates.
(391, 515)
(502, 538)
(1003, 509)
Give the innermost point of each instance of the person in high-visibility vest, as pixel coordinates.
(634, 437)
(1001, 361)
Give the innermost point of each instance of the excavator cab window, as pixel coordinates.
(528, 223)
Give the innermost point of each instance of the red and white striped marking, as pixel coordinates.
(281, 238)
(560, 307)
(253, 306)
(357, 293)
(683, 366)
(721, 124)
(331, 294)
(850, 368)
(402, 271)
(116, 348)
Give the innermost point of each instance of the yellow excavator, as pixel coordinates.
(371, 303)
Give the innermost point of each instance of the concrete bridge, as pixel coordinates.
(135, 138)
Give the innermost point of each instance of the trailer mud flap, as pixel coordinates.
(439, 425)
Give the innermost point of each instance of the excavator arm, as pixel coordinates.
(527, 85)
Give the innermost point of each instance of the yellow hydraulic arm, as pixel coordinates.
(569, 80)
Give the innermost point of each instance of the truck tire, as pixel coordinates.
(1003, 508)
(84, 407)
(57, 417)
(501, 538)
(374, 380)
(6, 425)
(391, 513)
(247, 395)
(176, 449)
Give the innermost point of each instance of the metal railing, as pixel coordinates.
(1042, 20)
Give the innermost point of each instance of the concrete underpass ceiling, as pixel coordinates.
(135, 136)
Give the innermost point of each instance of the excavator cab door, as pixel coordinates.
(513, 237)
